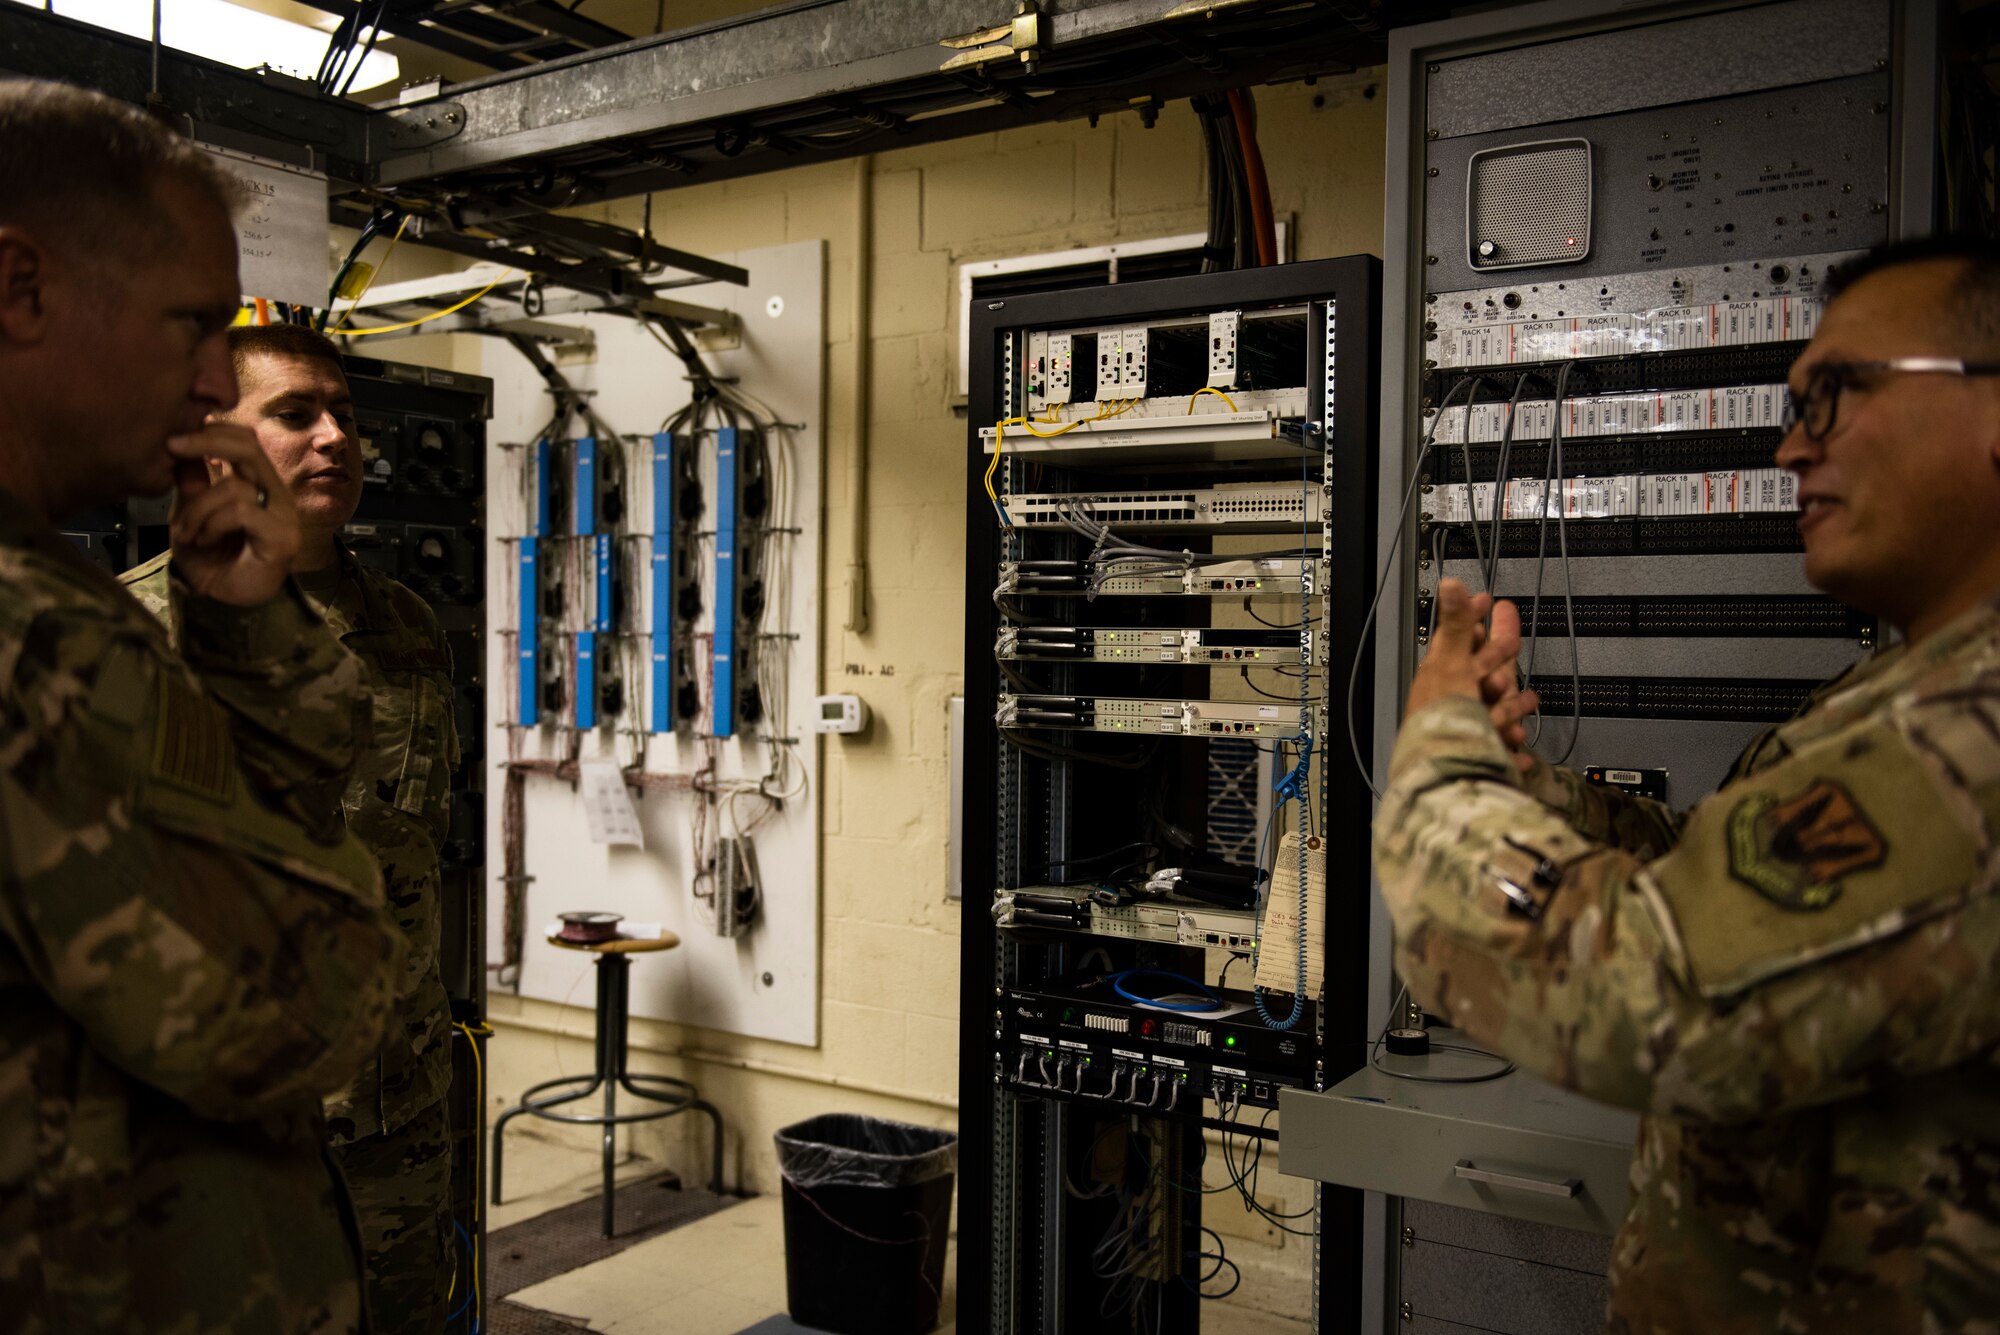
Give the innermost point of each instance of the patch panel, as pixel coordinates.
(1743, 533)
(1258, 426)
(1760, 616)
(1732, 407)
(1160, 718)
(1680, 452)
(1244, 509)
(1273, 648)
(1163, 921)
(1735, 699)
(1724, 491)
(1222, 578)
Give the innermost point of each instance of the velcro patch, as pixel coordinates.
(1849, 842)
(1793, 851)
(191, 746)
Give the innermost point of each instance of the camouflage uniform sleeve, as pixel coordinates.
(298, 715)
(1819, 928)
(1604, 815)
(203, 942)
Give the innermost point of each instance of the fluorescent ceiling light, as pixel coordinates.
(226, 32)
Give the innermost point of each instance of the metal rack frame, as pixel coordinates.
(1001, 1287)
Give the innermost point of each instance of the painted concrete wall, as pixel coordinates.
(889, 935)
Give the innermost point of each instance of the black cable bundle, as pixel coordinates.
(1230, 241)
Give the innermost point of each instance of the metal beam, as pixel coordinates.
(676, 79)
(275, 108)
(619, 241)
(430, 35)
(417, 296)
(658, 111)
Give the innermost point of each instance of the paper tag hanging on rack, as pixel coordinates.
(607, 804)
(1278, 941)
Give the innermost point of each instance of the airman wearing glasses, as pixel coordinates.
(1798, 980)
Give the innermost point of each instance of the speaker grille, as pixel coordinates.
(1528, 204)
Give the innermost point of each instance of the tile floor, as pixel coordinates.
(723, 1275)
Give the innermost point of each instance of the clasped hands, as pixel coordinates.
(1478, 661)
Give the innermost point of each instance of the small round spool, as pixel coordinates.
(1409, 1042)
(590, 928)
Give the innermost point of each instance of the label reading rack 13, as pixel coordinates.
(1170, 539)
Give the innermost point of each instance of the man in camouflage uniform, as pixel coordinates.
(1795, 981)
(389, 1127)
(193, 949)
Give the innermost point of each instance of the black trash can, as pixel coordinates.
(867, 1216)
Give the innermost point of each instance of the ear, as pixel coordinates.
(23, 273)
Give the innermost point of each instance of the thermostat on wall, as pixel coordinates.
(839, 713)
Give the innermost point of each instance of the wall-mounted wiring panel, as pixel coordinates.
(729, 816)
(1169, 577)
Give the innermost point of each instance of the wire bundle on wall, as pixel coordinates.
(1242, 229)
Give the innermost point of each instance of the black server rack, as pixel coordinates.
(1167, 586)
(421, 520)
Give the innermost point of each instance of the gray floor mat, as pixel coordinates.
(568, 1238)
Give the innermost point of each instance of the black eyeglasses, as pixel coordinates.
(1817, 408)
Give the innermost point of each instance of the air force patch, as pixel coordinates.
(1794, 851)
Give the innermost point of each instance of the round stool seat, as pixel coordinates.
(666, 940)
(668, 1095)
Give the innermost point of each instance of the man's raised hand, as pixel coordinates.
(235, 530)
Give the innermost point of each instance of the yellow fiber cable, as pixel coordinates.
(472, 1036)
(1108, 408)
(434, 315)
(1209, 389)
(376, 272)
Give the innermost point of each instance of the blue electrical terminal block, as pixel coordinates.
(585, 494)
(586, 486)
(586, 681)
(530, 574)
(722, 708)
(662, 719)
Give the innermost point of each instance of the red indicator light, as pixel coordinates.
(1569, 241)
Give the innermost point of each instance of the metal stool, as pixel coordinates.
(614, 975)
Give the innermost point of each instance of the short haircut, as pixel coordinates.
(1972, 310)
(282, 340)
(80, 172)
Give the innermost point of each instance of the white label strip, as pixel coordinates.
(1669, 329)
(1738, 407)
(1651, 496)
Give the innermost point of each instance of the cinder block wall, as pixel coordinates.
(890, 937)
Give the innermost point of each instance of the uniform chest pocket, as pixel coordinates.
(407, 765)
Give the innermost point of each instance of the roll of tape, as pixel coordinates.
(1409, 1042)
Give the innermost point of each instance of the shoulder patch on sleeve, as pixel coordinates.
(191, 746)
(1835, 848)
(1794, 850)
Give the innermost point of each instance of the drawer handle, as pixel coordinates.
(1569, 1186)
